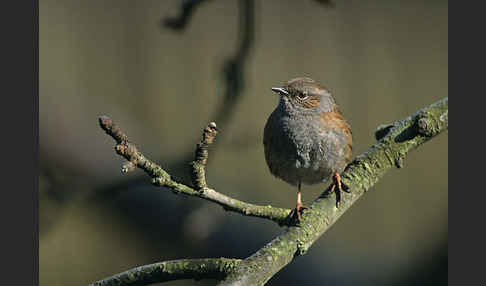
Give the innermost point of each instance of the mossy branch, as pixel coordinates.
(206, 268)
(395, 141)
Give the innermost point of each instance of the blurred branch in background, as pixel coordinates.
(327, 3)
(361, 174)
(178, 23)
(234, 68)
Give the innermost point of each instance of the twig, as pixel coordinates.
(201, 157)
(161, 178)
(208, 268)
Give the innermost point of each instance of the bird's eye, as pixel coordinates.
(302, 95)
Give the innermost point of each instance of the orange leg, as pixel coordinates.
(337, 182)
(299, 206)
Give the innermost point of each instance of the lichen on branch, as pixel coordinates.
(205, 268)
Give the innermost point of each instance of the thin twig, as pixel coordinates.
(161, 178)
(201, 157)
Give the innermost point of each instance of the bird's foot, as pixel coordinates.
(295, 214)
(340, 184)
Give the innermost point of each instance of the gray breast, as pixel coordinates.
(302, 150)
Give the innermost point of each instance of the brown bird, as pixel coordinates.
(306, 138)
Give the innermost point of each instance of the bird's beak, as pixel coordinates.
(280, 91)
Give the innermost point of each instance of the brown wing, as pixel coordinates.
(334, 119)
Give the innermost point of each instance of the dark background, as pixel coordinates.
(383, 60)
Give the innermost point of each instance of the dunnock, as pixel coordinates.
(306, 138)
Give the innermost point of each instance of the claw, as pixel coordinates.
(296, 213)
(299, 207)
(337, 182)
(346, 187)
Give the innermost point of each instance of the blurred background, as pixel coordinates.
(163, 78)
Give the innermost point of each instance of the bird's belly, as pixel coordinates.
(316, 165)
(308, 155)
(312, 176)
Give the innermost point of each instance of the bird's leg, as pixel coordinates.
(337, 182)
(299, 206)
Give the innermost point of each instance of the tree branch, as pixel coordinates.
(360, 175)
(395, 141)
(161, 178)
(208, 268)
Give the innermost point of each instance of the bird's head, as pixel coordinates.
(305, 94)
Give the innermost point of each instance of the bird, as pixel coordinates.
(306, 138)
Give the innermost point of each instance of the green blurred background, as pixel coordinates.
(383, 60)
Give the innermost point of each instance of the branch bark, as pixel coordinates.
(201, 157)
(395, 141)
(208, 268)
